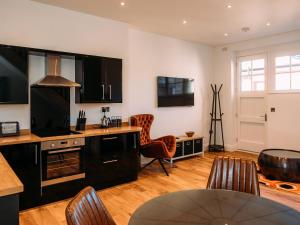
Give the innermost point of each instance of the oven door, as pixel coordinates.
(62, 165)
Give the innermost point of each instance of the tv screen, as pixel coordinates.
(173, 91)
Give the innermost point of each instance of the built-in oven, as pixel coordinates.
(62, 161)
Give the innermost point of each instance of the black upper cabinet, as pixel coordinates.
(100, 79)
(13, 75)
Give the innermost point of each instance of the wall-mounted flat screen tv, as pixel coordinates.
(173, 91)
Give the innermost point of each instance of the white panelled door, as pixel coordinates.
(252, 117)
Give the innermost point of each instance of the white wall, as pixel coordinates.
(282, 130)
(168, 57)
(145, 55)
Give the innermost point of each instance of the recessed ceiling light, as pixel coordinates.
(122, 3)
(184, 22)
(268, 24)
(245, 29)
(226, 34)
(229, 6)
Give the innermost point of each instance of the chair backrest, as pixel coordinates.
(144, 121)
(87, 208)
(234, 174)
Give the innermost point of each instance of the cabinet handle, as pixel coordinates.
(188, 143)
(134, 141)
(102, 91)
(35, 154)
(110, 161)
(109, 138)
(178, 145)
(109, 92)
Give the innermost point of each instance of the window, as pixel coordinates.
(287, 72)
(252, 74)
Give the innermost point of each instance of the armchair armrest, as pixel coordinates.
(170, 142)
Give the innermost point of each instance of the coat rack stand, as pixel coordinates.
(214, 147)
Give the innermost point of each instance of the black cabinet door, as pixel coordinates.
(25, 161)
(113, 79)
(88, 70)
(13, 75)
(111, 160)
(100, 79)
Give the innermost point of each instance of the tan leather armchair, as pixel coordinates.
(234, 174)
(160, 148)
(87, 208)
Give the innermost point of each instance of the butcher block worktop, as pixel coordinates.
(32, 138)
(9, 182)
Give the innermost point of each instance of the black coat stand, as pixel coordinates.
(214, 147)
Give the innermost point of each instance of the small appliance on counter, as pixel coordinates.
(105, 121)
(116, 121)
(81, 121)
(8, 129)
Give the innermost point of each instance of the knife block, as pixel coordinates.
(80, 125)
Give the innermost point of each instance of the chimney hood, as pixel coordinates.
(53, 76)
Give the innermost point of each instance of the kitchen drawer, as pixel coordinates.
(179, 149)
(188, 147)
(198, 147)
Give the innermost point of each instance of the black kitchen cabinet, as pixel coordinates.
(100, 79)
(112, 159)
(13, 75)
(25, 160)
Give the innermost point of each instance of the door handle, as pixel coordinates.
(102, 91)
(109, 92)
(265, 117)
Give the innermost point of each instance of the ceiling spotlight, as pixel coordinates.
(122, 3)
(229, 6)
(268, 24)
(226, 34)
(184, 22)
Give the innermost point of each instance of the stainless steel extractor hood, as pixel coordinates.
(53, 76)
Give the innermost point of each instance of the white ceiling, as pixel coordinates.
(207, 20)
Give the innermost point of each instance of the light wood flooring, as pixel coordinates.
(123, 200)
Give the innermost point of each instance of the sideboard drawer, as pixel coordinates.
(188, 147)
(179, 149)
(198, 145)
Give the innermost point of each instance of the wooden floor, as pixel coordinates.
(123, 200)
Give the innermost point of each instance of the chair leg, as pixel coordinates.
(162, 165)
(148, 164)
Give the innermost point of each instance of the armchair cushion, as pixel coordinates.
(155, 149)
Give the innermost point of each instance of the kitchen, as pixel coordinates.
(54, 161)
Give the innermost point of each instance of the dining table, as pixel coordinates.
(213, 207)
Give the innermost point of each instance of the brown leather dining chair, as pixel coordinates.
(234, 174)
(160, 148)
(86, 208)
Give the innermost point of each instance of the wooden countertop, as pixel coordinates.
(32, 138)
(9, 182)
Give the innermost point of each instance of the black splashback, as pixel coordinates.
(50, 110)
